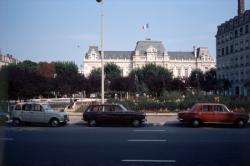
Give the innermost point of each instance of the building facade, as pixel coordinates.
(6, 60)
(148, 51)
(233, 51)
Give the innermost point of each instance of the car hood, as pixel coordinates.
(136, 113)
(55, 112)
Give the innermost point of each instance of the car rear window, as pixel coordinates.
(94, 109)
(18, 107)
(206, 108)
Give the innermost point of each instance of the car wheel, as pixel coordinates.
(92, 123)
(241, 123)
(54, 122)
(136, 123)
(196, 123)
(16, 122)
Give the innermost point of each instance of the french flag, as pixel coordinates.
(146, 26)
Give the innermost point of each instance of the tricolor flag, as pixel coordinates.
(146, 26)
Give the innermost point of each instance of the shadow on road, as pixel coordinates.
(186, 125)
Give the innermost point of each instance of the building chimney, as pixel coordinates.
(195, 51)
(241, 7)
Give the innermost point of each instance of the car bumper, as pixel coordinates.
(180, 119)
(64, 120)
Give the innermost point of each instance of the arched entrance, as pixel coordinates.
(237, 91)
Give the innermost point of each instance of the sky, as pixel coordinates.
(62, 30)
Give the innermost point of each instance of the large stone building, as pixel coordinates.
(6, 60)
(233, 51)
(148, 51)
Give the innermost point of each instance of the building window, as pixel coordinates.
(227, 50)
(227, 37)
(231, 48)
(186, 72)
(236, 47)
(218, 52)
(231, 35)
(247, 60)
(246, 29)
(241, 61)
(241, 45)
(236, 33)
(179, 72)
(236, 62)
(241, 31)
(247, 43)
(222, 52)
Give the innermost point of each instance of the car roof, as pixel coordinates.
(104, 104)
(31, 102)
(203, 103)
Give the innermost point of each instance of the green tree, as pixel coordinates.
(66, 78)
(210, 80)
(156, 78)
(196, 79)
(112, 71)
(94, 80)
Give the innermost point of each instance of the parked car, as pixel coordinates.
(212, 113)
(112, 113)
(4, 116)
(37, 113)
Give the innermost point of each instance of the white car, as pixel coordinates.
(37, 113)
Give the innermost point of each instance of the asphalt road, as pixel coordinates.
(169, 144)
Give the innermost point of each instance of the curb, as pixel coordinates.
(147, 114)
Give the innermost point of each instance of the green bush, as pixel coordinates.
(187, 102)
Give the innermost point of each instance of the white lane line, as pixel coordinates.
(149, 130)
(151, 161)
(145, 140)
(6, 139)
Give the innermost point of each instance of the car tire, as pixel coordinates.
(196, 123)
(136, 123)
(54, 122)
(92, 123)
(240, 123)
(16, 122)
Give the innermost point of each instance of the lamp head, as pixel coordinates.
(98, 1)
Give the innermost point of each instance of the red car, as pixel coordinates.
(212, 113)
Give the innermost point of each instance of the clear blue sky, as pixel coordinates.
(51, 30)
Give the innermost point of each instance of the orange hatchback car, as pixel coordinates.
(212, 113)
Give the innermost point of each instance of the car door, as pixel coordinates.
(207, 113)
(121, 115)
(26, 113)
(38, 114)
(106, 114)
(222, 115)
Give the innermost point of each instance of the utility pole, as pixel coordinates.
(102, 52)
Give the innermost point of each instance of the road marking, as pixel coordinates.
(144, 140)
(6, 139)
(149, 130)
(151, 161)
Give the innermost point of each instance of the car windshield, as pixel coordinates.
(46, 107)
(124, 108)
(193, 107)
(226, 109)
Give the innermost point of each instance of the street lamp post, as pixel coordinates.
(102, 53)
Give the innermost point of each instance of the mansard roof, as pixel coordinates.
(181, 55)
(142, 46)
(117, 54)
